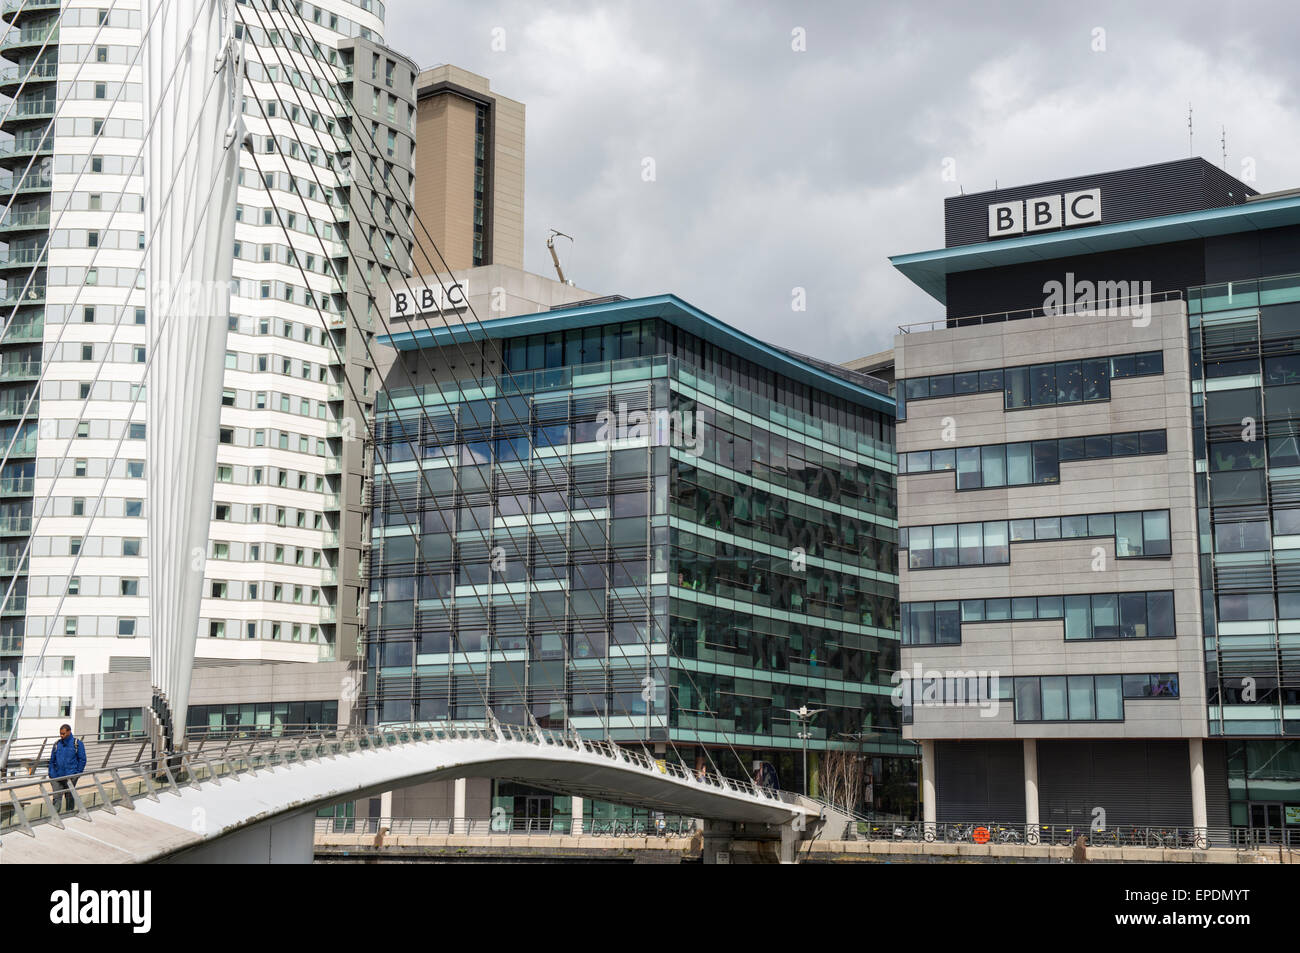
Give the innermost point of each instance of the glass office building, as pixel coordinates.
(640, 524)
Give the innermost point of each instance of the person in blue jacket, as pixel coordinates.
(67, 759)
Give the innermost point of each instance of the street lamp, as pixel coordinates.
(805, 716)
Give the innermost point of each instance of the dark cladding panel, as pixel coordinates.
(1247, 255)
(1168, 188)
(980, 781)
(1135, 782)
(1173, 267)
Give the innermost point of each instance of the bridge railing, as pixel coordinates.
(501, 826)
(33, 800)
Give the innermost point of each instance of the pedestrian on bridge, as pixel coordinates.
(67, 759)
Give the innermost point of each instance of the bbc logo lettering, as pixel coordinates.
(1045, 213)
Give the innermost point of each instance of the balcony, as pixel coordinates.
(20, 370)
(15, 525)
(330, 501)
(14, 76)
(35, 295)
(17, 221)
(22, 258)
(17, 486)
(35, 35)
(17, 408)
(329, 577)
(33, 181)
(328, 539)
(29, 143)
(11, 7)
(328, 615)
(333, 466)
(12, 564)
(34, 107)
(25, 333)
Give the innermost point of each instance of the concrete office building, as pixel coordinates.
(282, 581)
(1097, 454)
(469, 193)
(652, 586)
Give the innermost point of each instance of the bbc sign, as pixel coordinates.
(1044, 214)
(411, 300)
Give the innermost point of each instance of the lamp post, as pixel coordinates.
(805, 716)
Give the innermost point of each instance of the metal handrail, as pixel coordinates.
(33, 800)
(1017, 833)
(500, 825)
(996, 317)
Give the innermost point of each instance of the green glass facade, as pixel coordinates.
(639, 535)
(1245, 340)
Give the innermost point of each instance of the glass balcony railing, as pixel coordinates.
(16, 408)
(18, 370)
(36, 218)
(33, 295)
(19, 485)
(14, 525)
(22, 256)
(41, 140)
(36, 34)
(31, 182)
(27, 6)
(32, 108)
(31, 73)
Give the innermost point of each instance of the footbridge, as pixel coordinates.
(256, 801)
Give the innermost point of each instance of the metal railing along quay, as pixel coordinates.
(1066, 835)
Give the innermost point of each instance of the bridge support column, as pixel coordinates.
(790, 840)
(717, 841)
(459, 824)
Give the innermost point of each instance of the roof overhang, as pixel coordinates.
(929, 269)
(668, 307)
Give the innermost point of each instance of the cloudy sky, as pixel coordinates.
(777, 168)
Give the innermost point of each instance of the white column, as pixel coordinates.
(459, 826)
(928, 805)
(1031, 782)
(576, 826)
(1196, 755)
(386, 809)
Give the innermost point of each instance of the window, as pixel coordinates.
(83, 428)
(79, 468)
(74, 585)
(130, 587)
(101, 55)
(1070, 698)
(131, 546)
(135, 431)
(88, 314)
(74, 545)
(70, 626)
(135, 469)
(96, 164)
(87, 352)
(134, 508)
(139, 315)
(92, 239)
